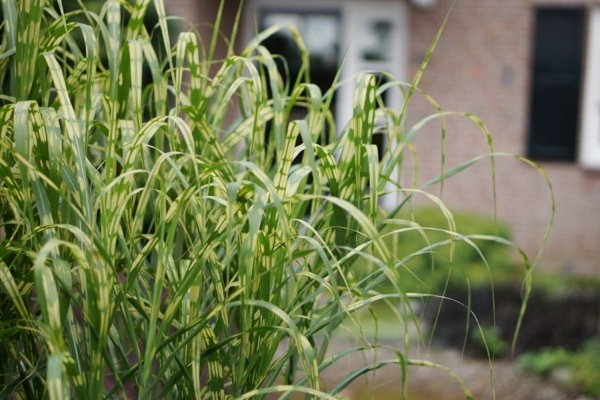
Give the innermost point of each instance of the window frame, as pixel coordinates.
(589, 143)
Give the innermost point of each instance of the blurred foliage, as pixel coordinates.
(490, 337)
(579, 370)
(448, 259)
(557, 283)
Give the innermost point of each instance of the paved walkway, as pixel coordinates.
(427, 383)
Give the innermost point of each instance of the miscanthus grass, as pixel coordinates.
(174, 233)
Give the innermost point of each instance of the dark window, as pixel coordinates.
(380, 136)
(555, 80)
(320, 33)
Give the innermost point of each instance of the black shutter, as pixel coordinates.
(556, 76)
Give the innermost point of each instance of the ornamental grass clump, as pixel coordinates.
(155, 244)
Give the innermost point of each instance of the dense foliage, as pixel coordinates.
(154, 243)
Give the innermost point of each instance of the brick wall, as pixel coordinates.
(481, 65)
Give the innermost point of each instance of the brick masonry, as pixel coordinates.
(481, 66)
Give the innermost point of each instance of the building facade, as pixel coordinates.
(490, 62)
(529, 69)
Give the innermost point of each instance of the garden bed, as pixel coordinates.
(566, 319)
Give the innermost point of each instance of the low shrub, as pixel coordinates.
(436, 257)
(577, 369)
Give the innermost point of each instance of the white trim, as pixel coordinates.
(589, 141)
